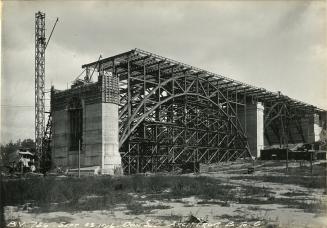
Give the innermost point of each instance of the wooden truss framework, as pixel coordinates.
(171, 113)
(281, 116)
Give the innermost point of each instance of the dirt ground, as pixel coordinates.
(296, 198)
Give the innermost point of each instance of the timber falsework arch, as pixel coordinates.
(171, 113)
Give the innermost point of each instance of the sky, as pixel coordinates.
(277, 45)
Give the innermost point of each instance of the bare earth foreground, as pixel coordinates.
(221, 195)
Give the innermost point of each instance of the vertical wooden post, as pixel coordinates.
(129, 165)
(286, 159)
(311, 167)
(79, 158)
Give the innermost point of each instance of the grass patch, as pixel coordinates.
(171, 217)
(58, 219)
(250, 190)
(315, 206)
(137, 208)
(294, 193)
(215, 202)
(48, 194)
(254, 208)
(308, 182)
(96, 193)
(240, 219)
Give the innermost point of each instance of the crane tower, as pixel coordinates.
(40, 45)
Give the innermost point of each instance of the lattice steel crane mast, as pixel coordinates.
(40, 46)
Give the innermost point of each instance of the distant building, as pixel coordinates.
(22, 160)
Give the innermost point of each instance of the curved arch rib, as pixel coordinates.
(139, 120)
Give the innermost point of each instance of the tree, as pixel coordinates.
(7, 149)
(28, 143)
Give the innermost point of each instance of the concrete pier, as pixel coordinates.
(252, 121)
(87, 114)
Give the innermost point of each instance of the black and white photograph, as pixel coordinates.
(158, 113)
